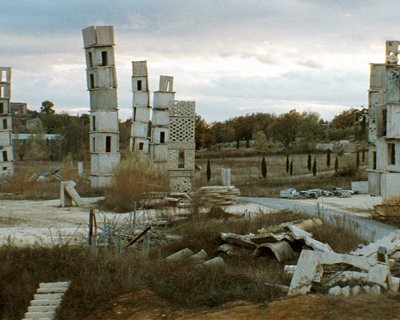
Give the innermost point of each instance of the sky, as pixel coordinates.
(232, 57)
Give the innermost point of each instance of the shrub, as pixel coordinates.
(134, 179)
(264, 168)
(208, 170)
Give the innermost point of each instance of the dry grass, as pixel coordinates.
(134, 178)
(248, 170)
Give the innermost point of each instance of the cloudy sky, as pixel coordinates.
(231, 56)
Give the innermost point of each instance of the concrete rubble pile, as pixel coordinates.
(219, 195)
(292, 193)
(282, 242)
(199, 258)
(373, 268)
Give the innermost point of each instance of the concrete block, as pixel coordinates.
(180, 255)
(44, 308)
(360, 187)
(215, 262)
(336, 291)
(46, 296)
(355, 290)
(39, 315)
(346, 291)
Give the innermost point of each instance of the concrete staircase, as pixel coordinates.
(46, 300)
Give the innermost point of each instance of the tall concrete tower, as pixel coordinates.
(181, 146)
(6, 156)
(163, 100)
(102, 85)
(140, 133)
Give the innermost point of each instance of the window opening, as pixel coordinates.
(374, 166)
(104, 58)
(181, 159)
(162, 137)
(5, 156)
(108, 143)
(139, 85)
(384, 120)
(94, 144)
(92, 81)
(90, 60)
(4, 123)
(392, 153)
(141, 145)
(94, 123)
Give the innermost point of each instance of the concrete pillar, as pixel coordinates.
(226, 177)
(80, 168)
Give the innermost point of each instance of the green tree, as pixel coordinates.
(47, 107)
(309, 162)
(286, 127)
(336, 164)
(264, 168)
(314, 167)
(208, 170)
(328, 158)
(260, 140)
(287, 164)
(358, 159)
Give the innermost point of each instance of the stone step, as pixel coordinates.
(52, 302)
(47, 296)
(39, 315)
(42, 308)
(51, 290)
(64, 284)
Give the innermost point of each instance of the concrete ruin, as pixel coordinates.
(102, 85)
(140, 133)
(384, 126)
(169, 140)
(6, 149)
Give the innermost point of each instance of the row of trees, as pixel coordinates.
(285, 129)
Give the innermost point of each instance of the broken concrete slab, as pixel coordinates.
(310, 261)
(281, 250)
(300, 234)
(69, 195)
(240, 240)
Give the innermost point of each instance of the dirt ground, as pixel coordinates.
(145, 306)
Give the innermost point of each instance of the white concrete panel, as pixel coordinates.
(103, 164)
(156, 135)
(142, 115)
(393, 121)
(163, 99)
(106, 121)
(377, 80)
(160, 118)
(103, 99)
(141, 99)
(390, 187)
(139, 69)
(139, 129)
(143, 83)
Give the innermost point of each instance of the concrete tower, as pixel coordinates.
(181, 146)
(163, 100)
(140, 133)
(6, 156)
(384, 126)
(102, 85)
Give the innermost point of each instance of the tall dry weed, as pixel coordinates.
(134, 179)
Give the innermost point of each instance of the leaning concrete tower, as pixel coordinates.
(102, 85)
(163, 99)
(140, 133)
(6, 157)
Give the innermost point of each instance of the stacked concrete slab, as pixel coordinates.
(46, 300)
(6, 156)
(384, 126)
(140, 133)
(102, 85)
(163, 99)
(181, 145)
